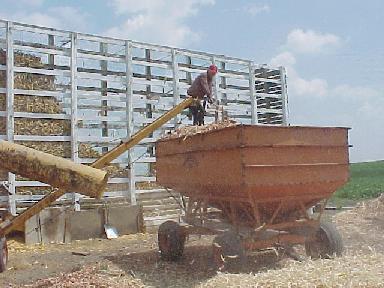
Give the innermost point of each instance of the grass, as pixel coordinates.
(366, 181)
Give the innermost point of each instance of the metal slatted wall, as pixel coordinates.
(105, 89)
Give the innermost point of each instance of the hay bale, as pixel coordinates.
(36, 104)
(22, 59)
(28, 81)
(60, 149)
(86, 151)
(45, 127)
(114, 170)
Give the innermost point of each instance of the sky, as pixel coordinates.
(332, 50)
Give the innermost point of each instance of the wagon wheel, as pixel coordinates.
(171, 240)
(325, 242)
(227, 250)
(3, 254)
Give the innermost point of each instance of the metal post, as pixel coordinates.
(215, 91)
(104, 92)
(74, 132)
(189, 74)
(284, 95)
(130, 124)
(216, 81)
(10, 112)
(224, 95)
(176, 85)
(51, 57)
(252, 94)
(149, 108)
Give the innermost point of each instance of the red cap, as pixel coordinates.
(213, 68)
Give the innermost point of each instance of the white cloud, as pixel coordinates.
(305, 41)
(311, 87)
(309, 41)
(255, 8)
(355, 93)
(160, 21)
(24, 3)
(61, 17)
(70, 17)
(36, 18)
(298, 85)
(283, 59)
(302, 41)
(31, 2)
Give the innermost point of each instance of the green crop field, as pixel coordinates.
(366, 181)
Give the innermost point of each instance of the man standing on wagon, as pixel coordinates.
(201, 86)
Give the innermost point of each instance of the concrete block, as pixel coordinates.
(62, 225)
(86, 224)
(53, 227)
(32, 234)
(46, 227)
(126, 219)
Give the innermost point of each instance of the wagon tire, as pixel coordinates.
(3, 254)
(171, 240)
(227, 251)
(325, 243)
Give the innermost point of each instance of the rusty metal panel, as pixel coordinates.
(285, 155)
(195, 169)
(318, 189)
(256, 163)
(295, 136)
(264, 175)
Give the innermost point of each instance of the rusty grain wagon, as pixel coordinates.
(252, 186)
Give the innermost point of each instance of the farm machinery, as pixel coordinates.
(251, 186)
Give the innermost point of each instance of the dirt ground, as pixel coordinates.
(130, 257)
(133, 261)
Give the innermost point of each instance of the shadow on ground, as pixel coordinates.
(195, 267)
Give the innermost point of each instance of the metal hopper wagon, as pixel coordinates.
(252, 186)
